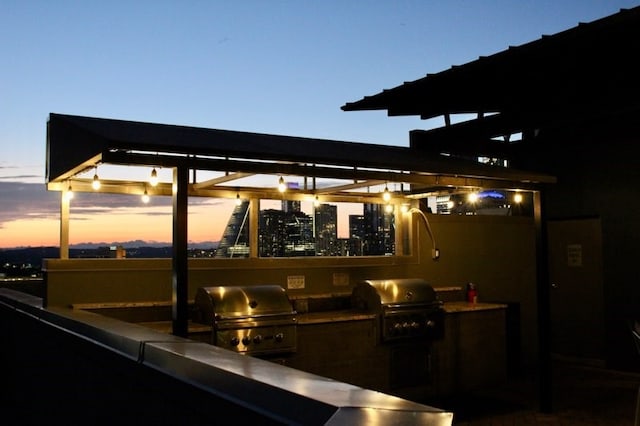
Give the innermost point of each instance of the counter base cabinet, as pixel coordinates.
(473, 353)
(346, 351)
(350, 351)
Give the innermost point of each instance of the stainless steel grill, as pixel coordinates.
(408, 308)
(252, 320)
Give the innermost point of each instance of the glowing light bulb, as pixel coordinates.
(281, 185)
(388, 208)
(145, 197)
(153, 180)
(386, 195)
(473, 197)
(316, 202)
(517, 198)
(96, 182)
(238, 200)
(69, 194)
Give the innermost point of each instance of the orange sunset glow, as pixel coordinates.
(149, 223)
(152, 224)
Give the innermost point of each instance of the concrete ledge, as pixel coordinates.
(274, 392)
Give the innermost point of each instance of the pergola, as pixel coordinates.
(337, 171)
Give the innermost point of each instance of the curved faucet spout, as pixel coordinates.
(435, 252)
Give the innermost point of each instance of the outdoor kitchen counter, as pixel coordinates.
(333, 316)
(355, 315)
(455, 307)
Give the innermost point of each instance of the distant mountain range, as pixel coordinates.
(125, 244)
(140, 243)
(20, 261)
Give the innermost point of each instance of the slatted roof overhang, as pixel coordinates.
(77, 143)
(581, 74)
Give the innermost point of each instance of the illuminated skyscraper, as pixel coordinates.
(235, 238)
(326, 230)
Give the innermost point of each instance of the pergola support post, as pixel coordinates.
(65, 204)
(180, 272)
(544, 306)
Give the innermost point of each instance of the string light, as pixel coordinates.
(153, 180)
(281, 185)
(386, 195)
(69, 194)
(145, 196)
(96, 181)
(238, 199)
(517, 198)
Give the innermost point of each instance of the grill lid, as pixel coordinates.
(372, 294)
(236, 302)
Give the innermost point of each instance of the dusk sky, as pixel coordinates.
(281, 67)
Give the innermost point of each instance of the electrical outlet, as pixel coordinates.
(295, 281)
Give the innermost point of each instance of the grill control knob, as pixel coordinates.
(415, 325)
(245, 340)
(430, 324)
(234, 341)
(257, 339)
(279, 337)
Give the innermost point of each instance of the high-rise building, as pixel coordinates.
(271, 233)
(299, 239)
(356, 234)
(291, 206)
(379, 230)
(235, 238)
(326, 230)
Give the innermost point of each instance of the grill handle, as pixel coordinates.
(259, 316)
(405, 306)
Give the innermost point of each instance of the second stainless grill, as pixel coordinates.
(253, 320)
(407, 307)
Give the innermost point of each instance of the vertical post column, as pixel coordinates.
(65, 203)
(544, 305)
(254, 216)
(180, 273)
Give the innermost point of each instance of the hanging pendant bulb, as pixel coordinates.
(153, 180)
(281, 185)
(96, 181)
(517, 198)
(386, 195)
(69, 194)
(316, 202)
(145, 197)
(238, 199)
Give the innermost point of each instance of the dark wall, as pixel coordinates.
(597, 167)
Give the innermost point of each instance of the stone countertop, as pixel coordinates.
(355, 315)
(333, 316)
(455, 307)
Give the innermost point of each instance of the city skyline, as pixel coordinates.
(282, 68)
